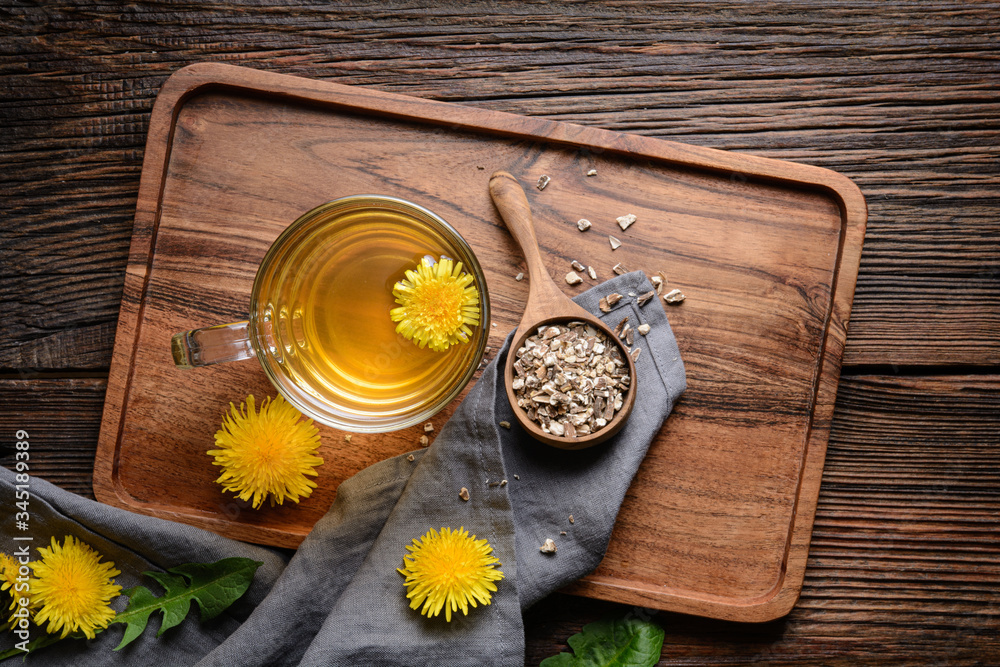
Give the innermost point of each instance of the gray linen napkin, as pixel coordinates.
(340, 600)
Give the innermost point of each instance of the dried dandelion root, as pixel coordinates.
(570, 380)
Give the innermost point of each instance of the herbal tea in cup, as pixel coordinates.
(368, 313)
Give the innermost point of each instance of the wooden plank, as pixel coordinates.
(908, 112)
(63, 249)
(62, 418)
(59, 321)
(906, 543)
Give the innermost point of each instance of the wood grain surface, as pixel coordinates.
(766, 250)
(901, 98)
(907, 111)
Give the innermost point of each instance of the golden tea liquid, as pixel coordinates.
(322, 310)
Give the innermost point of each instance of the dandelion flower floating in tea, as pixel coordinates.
(72, 588)
(438, 304)
(269, 454)
(449, 570)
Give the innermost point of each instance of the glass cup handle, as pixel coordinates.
(212, 345)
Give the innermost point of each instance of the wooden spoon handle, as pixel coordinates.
(511, 202)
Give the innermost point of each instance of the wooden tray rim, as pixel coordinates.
(199, 78)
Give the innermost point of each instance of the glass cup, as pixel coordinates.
(320, 323)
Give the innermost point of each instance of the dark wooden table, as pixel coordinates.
(904, 98)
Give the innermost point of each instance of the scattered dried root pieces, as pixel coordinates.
(608, 302)
(583, 224)
(674, 296)
(619, 269)
(577, 266)
(572, 278)
(625, 221)
(591, 273)
(543, 180)
(592, 172)
(549, 547)
(620, 327)
(519, 277)
(464, 494)
(643, 299)
(643, 329)
(615, 243)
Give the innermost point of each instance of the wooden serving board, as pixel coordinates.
(718, 519)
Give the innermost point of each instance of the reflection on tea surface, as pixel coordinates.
(327, 303)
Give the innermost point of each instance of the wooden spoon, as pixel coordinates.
(547, 305)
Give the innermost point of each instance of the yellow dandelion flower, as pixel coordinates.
(438, 304)
(267, 454)
(450, 570)
(72, 588)
(9, 575)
